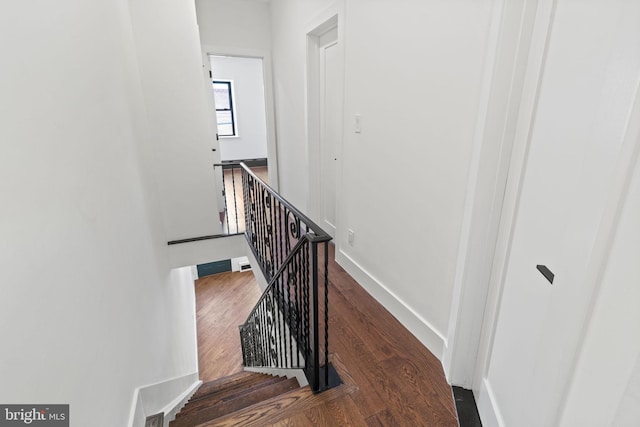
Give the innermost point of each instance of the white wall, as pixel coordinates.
(90, 309)
(628, 413)
(234, 23)
(414, 72)
(288, 28)
(183, 135)
(248, 97)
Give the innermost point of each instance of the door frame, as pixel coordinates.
(538, 17)
(267, 77)
(502, 113)
(331, 18)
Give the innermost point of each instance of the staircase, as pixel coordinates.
(222, 397)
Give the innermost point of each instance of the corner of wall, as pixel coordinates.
(167, 397)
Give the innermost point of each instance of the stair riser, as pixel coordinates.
(225, 395)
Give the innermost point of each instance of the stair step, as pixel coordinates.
(232, 392)
(273, 411)
(256, 395)
(221, 383)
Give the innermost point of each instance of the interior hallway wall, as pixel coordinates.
(90, 309)
(414, 74)
(179, 113)
(234, 23)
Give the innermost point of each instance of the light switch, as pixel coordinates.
(358, 124)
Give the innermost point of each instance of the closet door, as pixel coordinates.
(585, 96)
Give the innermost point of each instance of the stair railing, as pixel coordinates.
(289, 326)
(229, 176)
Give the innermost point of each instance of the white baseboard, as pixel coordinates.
(167, 397)
(174, 407)
(488, 406)
(410, 319)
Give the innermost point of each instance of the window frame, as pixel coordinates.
(231, 110)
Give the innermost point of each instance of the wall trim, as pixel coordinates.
(488, 406)
(167, 397)
(470, 285)
(426, 333)
(171, 410)
(329, 18)
(536, 58)
(204, 251)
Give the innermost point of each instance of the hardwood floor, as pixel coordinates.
(390, 379)
(223, 302)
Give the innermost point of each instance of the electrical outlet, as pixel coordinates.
(351, 236)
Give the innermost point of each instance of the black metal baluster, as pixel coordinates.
(279, 234)
(224, 198)
(304, 305)
(259, 225)
(235, 201)
(286, 304)
(279, 329)
(292, 307)
(262, 227)
(274, 264)
(314, 302)
(296, 298)
(285, 231)
(326, 315)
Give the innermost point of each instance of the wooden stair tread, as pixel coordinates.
(279, 407)
(242, 400)
(224, 382)
(234, 391)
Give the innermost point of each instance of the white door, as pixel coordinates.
(585, 97)
(330, 91)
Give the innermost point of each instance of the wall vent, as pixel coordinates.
(244, 265)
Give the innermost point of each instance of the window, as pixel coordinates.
(223, 95)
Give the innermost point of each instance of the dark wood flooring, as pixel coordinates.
(390, 378)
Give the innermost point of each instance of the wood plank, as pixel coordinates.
(281, 407)
(233, 391)
(230, 406)
(220, 383)
(223, 302)
(382, 419)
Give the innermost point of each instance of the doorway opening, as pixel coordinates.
(242, 94)
(239, 97)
